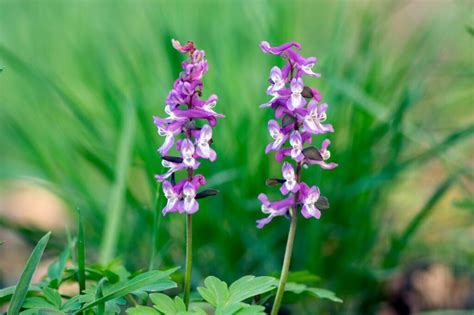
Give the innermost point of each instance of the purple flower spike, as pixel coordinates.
(301, 116)
(188, 127)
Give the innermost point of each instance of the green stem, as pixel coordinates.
(289, 247)
(189, 259)
(286, 264)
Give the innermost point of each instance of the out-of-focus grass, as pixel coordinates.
(397, 76)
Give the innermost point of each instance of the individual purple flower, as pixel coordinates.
(169, 131)
(273, 209)
(278, 50)
(172, 168)
(306, 67)
(296, 100)
(325, 155)
(290, 183)
(188, 47)
(308, 197)
(312, 121)
(187, 153)
(190, 205)
(202, 143)
(301, 115)
(277, 81)
(277, 134)
(188, 127)
(296, 142)
(172, 196)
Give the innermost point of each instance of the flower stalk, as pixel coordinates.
(189, 259)
(286, 263)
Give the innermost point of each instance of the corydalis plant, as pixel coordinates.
(191, 119)
(301, 116)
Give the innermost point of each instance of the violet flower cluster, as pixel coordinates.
(190, 118)
(302, 115)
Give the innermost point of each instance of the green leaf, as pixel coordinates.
(99, 294)
(251, 310)
(72, 304)
(23, 284)
(56, 269)
(215, 291)
(163, 303)
(42, 311)
(157, 287)
(179, 303)
(249, 286)
(123, 288)
(302, 276)
(324, 294)
(38, 302)
(52, 295)
(8, 291)
(168, 306)
(228, 309)
(142, 310)
(296, 288)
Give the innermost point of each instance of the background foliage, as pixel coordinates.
(81, 81)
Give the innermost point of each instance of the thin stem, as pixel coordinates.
(189, 259)
(189, 244)
(286, 264)
(289, 248)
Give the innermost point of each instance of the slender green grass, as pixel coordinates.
(23, 284)
(116, 205)
(156, 226)
(81, 255)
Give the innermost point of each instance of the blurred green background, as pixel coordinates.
(81, 81)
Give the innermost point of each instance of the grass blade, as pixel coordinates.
(140, 281)
(81, 256)
(25, 278)
(156, 225)
(116, 204)
(400, 243)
